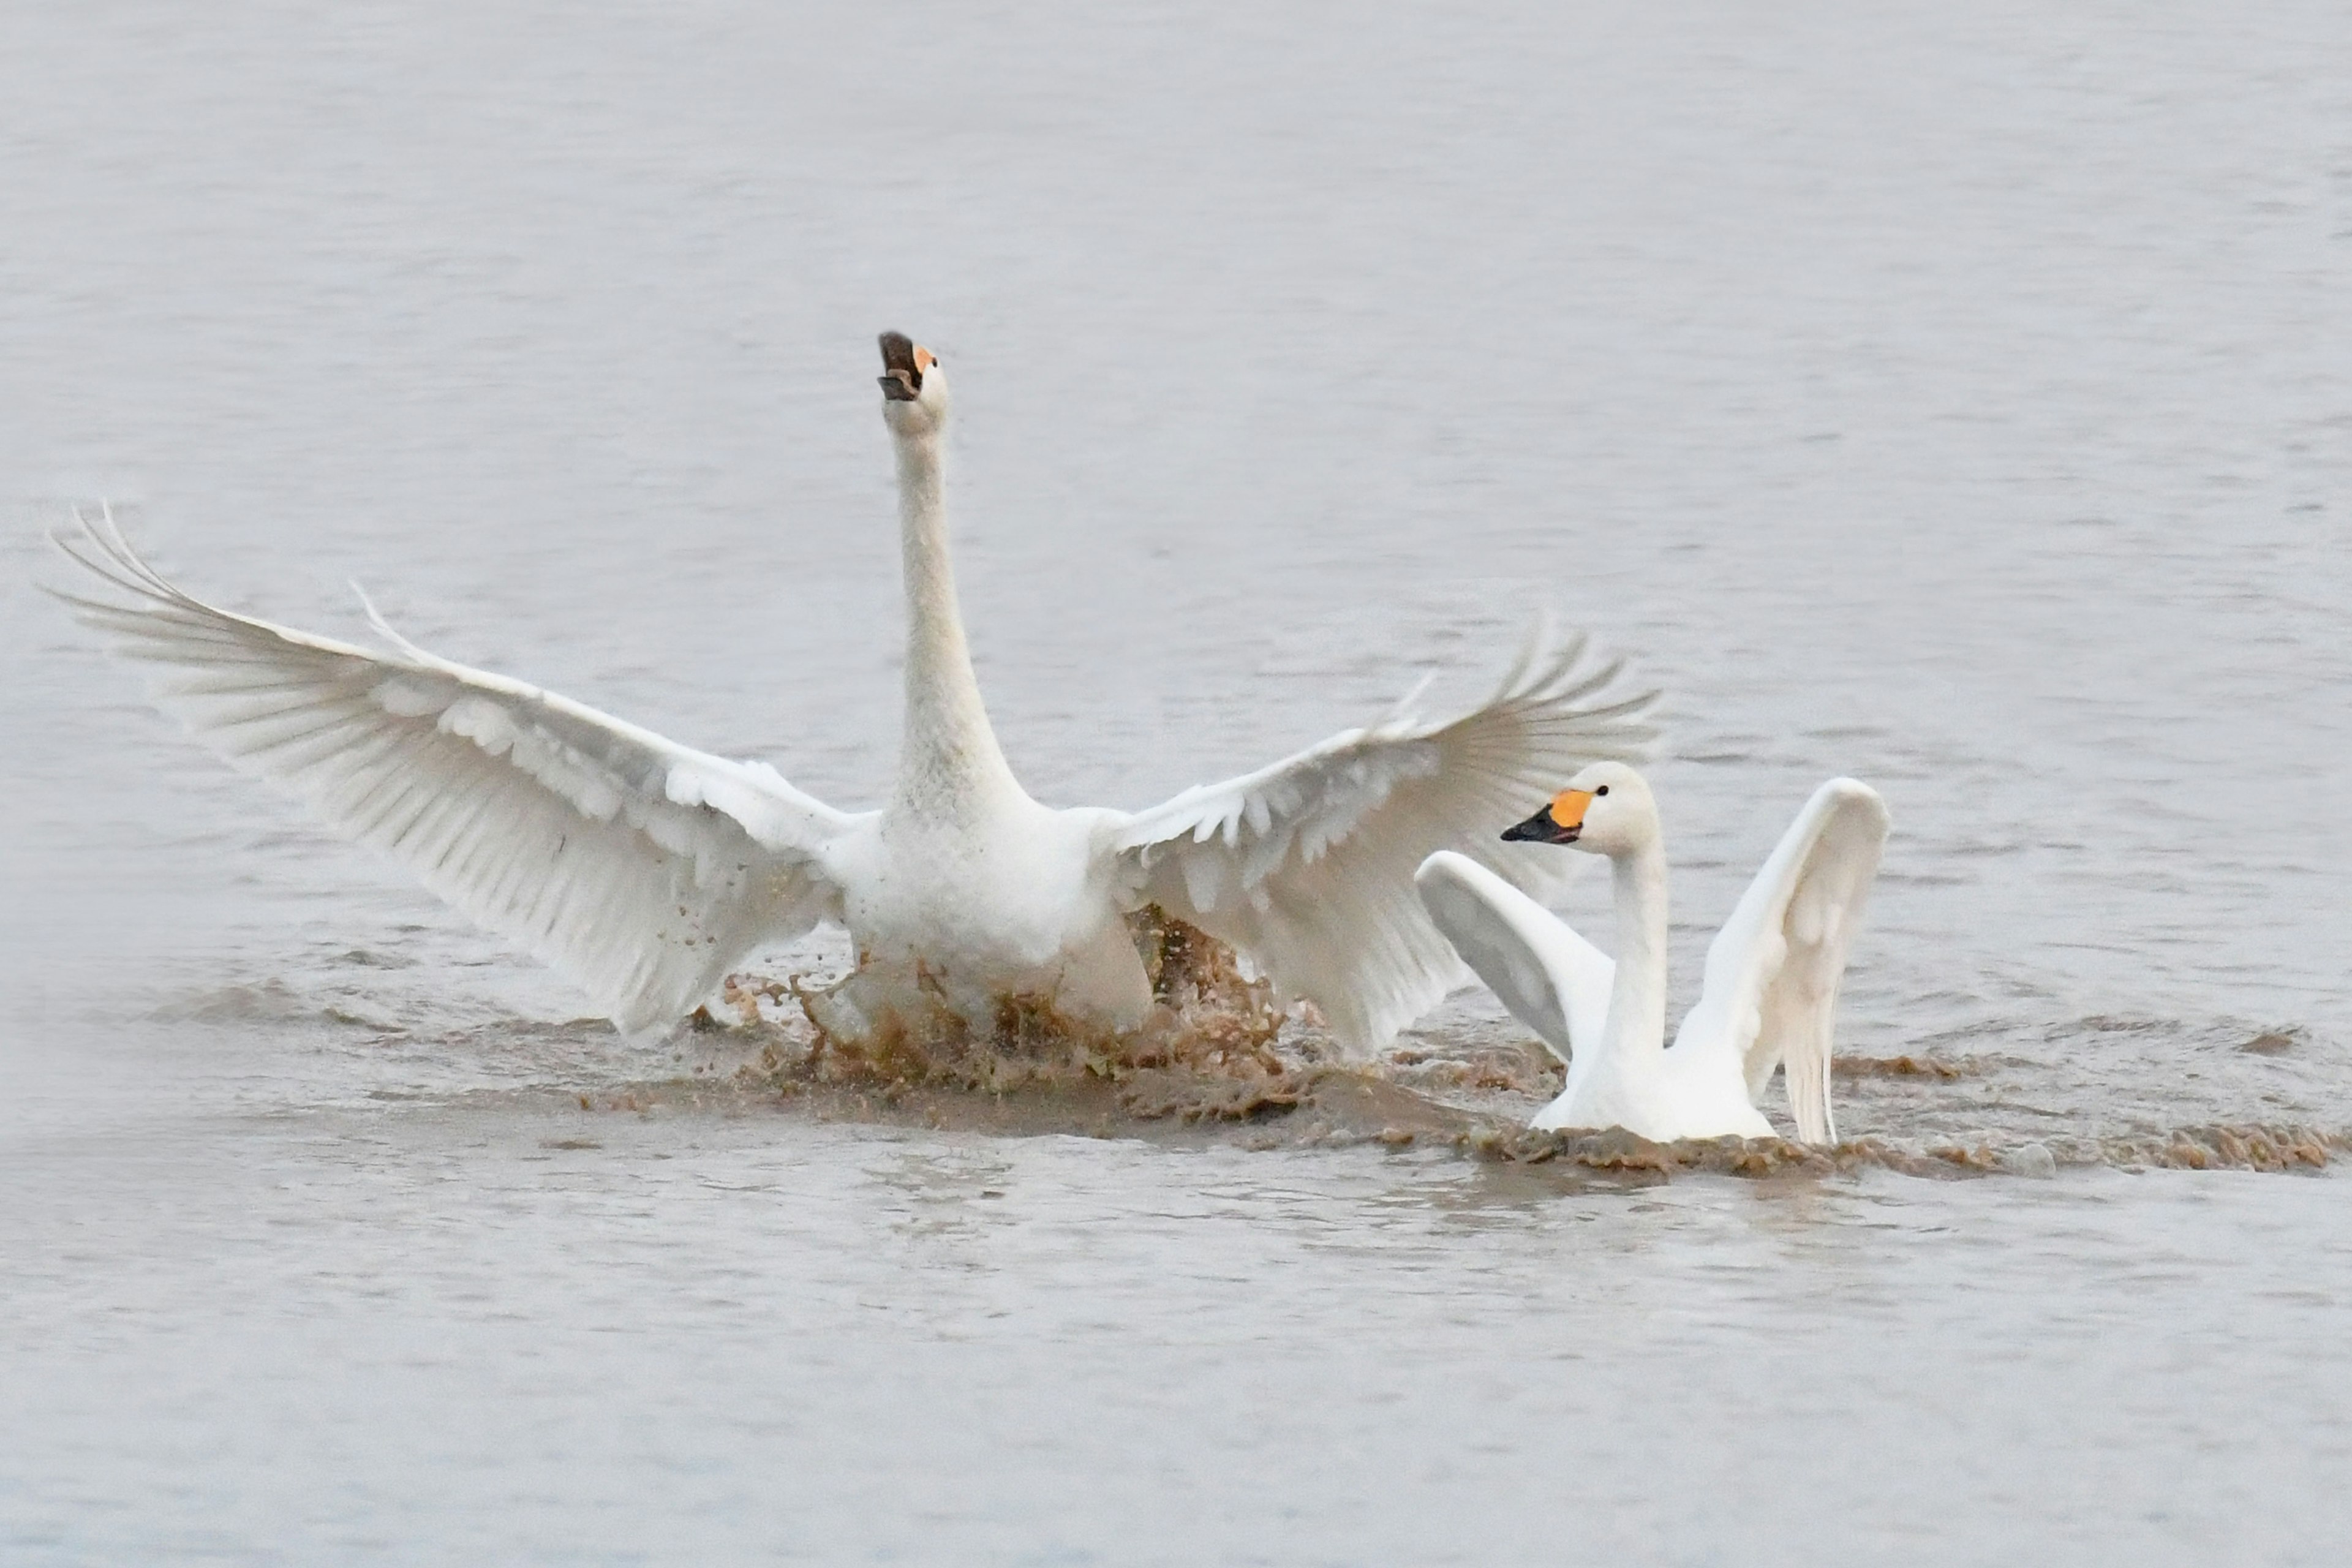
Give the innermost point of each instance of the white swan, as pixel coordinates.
(1770, 998)
(644, 869)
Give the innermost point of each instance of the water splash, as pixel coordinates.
(898, 1028)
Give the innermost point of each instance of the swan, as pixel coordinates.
(1770, 998)
(642, 869)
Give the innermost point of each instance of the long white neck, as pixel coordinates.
(948, 759)
(1635, 1037)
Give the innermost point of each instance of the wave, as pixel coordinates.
(2282, 1148)
(1273, 1099)
(1220, 1060)
(270, 1003)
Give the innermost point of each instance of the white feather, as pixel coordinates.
(1307, 864)
(637, 867)
(1774, 969)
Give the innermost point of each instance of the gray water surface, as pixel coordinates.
(1961, 402)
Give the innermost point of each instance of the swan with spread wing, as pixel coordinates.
(644, 869)
(1769, 997)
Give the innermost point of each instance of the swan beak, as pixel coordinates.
(1558, 822)
(903, 364)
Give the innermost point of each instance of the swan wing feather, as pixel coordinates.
(1774, 969)
(638, 868)
(1307, 864)
(1551, 979)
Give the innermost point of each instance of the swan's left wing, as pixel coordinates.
(1551, 979)
(1306, 866)
(1773, 971)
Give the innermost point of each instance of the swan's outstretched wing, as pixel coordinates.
(1551, 979)
(1306, 866)
(639, 868)
(1772, 972)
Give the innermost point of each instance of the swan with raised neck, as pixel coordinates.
(965, 880)
(1626, 1081)
(644, 869)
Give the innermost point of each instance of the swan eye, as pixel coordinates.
(1602, 790)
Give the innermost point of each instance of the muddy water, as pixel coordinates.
(1964, 403)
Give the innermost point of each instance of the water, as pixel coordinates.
(1961, 402)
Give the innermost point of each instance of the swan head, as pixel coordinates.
(1606, 809)
(914, 386)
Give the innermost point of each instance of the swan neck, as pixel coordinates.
(949, 751)
(1637, 1002)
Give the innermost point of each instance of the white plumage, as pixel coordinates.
(1770, 998)
(1306, 865)
(636, 867)
(644, 869)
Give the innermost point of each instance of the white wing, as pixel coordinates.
(639, 868)
(1772, 972)
(1306, 866)
(1551, 979)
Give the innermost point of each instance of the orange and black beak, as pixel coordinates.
(1559, 821)
(903, 364)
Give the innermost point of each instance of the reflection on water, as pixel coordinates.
(1963, 403)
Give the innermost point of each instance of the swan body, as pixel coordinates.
(1770, 998)
(644, 869)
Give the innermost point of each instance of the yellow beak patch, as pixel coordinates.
(1568, 807)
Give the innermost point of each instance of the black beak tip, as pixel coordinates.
(1540, 828)
(902, 378)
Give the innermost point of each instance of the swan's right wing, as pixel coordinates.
(1773, 971)
(1306, 866)
(1551, 979)
(638, 868)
